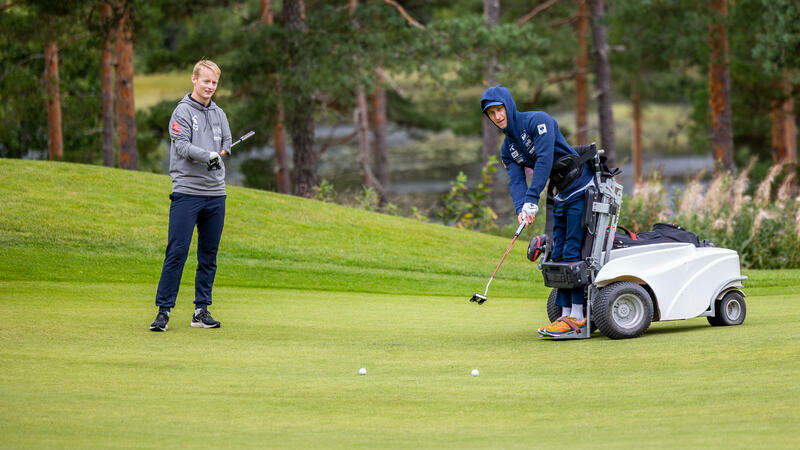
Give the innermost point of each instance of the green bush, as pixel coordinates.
(468, 208)
(259, 173)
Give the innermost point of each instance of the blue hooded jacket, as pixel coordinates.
(532, 140)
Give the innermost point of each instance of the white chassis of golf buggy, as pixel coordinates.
(660, 282)
(631, 287)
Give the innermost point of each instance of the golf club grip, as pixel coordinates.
(520, 228)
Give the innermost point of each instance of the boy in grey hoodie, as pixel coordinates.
(200, 136)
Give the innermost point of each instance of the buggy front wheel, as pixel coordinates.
(623, 310)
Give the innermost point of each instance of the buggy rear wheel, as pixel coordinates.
(553, 310)
(623, 310)
(730, 310)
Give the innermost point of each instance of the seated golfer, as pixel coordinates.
(532, 140)
(200, 137)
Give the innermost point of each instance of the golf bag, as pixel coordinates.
(661, 233)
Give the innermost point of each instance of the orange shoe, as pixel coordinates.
(563, 326)
(544, 327)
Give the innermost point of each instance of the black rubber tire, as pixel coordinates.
(714, 321)
(554, 311)
(730, 310)
(623, 310)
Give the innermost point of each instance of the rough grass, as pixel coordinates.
(153, 88)
(308, 293)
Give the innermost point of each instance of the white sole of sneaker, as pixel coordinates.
(202, 325)
(159, 329)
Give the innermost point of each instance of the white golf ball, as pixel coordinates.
(362, 371)
(475, 372)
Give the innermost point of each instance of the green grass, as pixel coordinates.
(310, 292)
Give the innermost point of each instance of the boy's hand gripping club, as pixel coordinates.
(482, 298)
(215, 164)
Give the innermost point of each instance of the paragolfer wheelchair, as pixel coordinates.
(628, 288)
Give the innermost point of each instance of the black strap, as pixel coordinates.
(587, 155)
(550, 207)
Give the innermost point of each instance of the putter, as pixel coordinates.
(478, 298)
(215, 165)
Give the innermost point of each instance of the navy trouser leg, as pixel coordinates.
(567, 243)
(183, 212)
(209, 231)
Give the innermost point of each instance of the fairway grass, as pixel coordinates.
(80, 369)
(307, 294)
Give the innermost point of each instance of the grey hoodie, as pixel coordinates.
(196, 131)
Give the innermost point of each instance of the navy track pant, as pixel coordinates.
(186, 212)
(567, 242)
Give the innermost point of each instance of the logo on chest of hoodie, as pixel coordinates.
(527, 141)
(217, 132)
(515, 154)
(195, 126)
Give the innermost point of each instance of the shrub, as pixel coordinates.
(468, 208)
(763, 228)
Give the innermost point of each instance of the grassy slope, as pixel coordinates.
(310, 292)
(88, 223)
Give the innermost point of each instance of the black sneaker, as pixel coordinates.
(204, 320)
(160, 324)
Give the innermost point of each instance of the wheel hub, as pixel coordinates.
(733, 310)
(627, 310)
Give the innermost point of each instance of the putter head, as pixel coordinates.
(478, 298)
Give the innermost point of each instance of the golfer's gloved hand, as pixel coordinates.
(213, 161)
(530, 209)
(528, 213)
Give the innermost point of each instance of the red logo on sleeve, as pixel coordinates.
(175, 127)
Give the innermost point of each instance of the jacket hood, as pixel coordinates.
(502, 95)
(187, 99)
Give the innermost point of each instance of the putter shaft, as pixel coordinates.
(486, 291)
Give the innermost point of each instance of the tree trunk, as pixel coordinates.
(299, 103)
(378, 127)
(603, 80)
(266, 12)
(637, 129)
(283, 179)
(126, 112)
(491, 11)
(581, 82)
(279, 137)
(719, 86)
(362, 126)
(791, 131)
(784, 130)
(107, 80)
(51, 80)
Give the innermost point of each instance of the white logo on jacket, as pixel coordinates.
(526, 141)
(542, 129)
(195, 127)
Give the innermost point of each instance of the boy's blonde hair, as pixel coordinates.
(208, 64)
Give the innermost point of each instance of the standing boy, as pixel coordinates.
(532, 140)
(200, 137)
